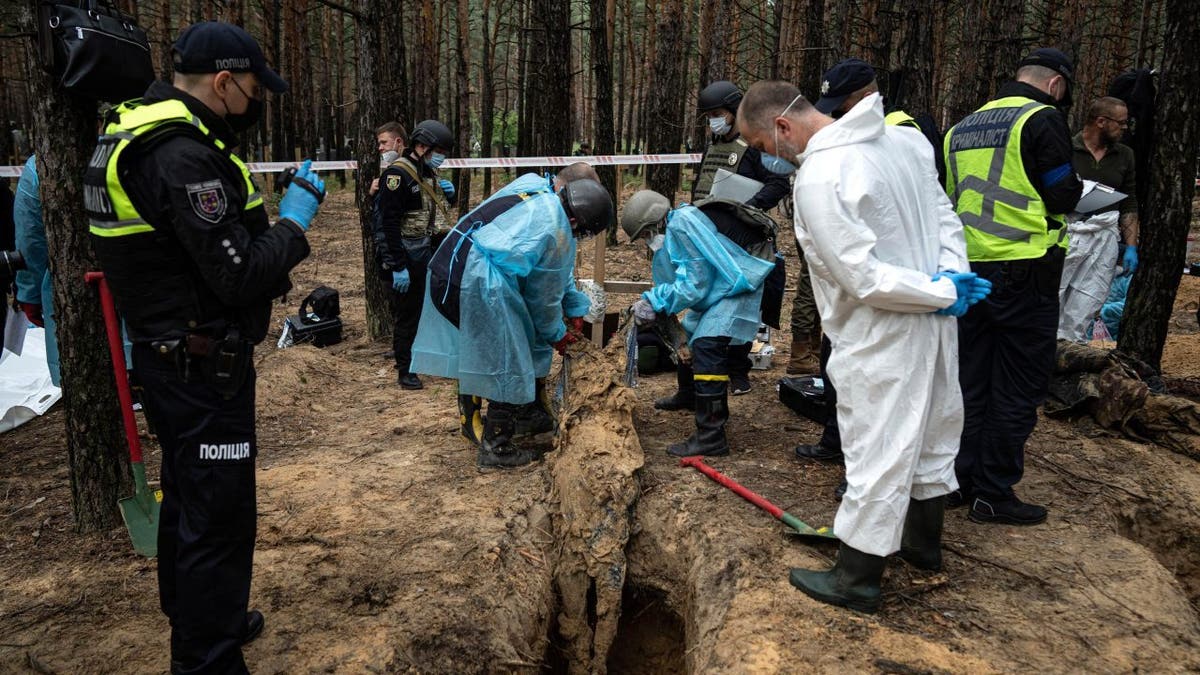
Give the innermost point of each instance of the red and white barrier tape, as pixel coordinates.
(468, 163)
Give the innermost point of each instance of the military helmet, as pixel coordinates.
(432, 133)
(720, 94)
(588, 205)
(646, 208)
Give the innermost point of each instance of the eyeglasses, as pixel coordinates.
(1124, 124)
(258, 90)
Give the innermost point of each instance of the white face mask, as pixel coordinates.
(719, 126)
(656, 242)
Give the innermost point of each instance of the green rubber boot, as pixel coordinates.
(921, 543)
(853, 582)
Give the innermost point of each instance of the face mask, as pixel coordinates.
(656, 242)
(775, 164)
(719, 126)
(240, 122)
(435, 160)
(390, 156)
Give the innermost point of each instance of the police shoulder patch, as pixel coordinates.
(208, 200)
(733, 158)
(393, 182)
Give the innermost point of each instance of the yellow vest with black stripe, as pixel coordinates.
(899, 118)
(1003, 216)
(110, 211)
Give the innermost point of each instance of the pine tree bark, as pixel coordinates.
(914, 91)
(462, 113)
(367, 33)
(487, 90)
(666, 103)
(604, 132)
(548, 88)
(1163, 239)
(97, 454)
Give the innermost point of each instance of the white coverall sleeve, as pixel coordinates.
(843, 245)
(952, 253)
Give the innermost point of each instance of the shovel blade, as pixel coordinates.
(141, 519)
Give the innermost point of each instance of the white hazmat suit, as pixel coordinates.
(1088, 273)
(875, 227)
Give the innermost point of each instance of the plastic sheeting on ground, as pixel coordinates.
(25, 388)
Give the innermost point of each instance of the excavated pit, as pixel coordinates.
(650, 636)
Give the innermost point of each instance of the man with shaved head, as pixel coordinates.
(889, 271)
(1096, 244)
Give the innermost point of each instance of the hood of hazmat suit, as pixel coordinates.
(875, 227)
(701, 270)
(517, 285)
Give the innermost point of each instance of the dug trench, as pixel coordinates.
(382, 548)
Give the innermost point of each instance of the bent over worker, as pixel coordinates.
(185, 243)
(888, 263)
(713, 263)
(500, 286)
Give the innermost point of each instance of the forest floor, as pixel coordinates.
(382, 548)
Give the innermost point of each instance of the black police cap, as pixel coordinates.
(1051, 58)
(213, 46)
(843, 79)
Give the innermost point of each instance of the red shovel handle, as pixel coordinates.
(113, 327)
(752, 497)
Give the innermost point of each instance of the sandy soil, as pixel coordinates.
(382, 548)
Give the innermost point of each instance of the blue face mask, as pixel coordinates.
(777, 164)
(435, 160)
(719, 126)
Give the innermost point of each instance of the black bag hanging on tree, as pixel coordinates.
(94, 50)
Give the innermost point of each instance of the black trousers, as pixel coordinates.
(739, 361)
(710, 365)
(1006, 354)
(831, 437)
(406, 316)
(207, 522)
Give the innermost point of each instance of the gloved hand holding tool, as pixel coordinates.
(401, 281)
(300, 206)
(643, 312)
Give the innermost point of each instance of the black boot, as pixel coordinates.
(818, 452)
(535, 417)
(712, 412)
(470, 418)
(921, 543)
(254, 626)
(410, 381)
(685, 397)
(853, 582)
(497, 447)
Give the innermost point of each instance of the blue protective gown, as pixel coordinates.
(701, 270)
(517, 286)
(33, 283)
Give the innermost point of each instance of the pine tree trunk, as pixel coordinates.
(604, 132)
(379, 322)
(666, 102)
(914, 87)
(487, 91)
(549, 78)
(463, 111)
(97, 453)
(1163, 238)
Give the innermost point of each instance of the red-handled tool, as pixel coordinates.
(140, 511)
(797, 526)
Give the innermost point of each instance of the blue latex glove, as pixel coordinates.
(969, 288)
(1129, 261)
(447, 189)
(401, 281)
(298, 204)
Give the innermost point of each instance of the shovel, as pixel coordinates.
(140, 511)
(795, 525)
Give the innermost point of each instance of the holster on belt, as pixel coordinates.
(222, 362)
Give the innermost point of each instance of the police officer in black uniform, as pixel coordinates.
(194, 263)
(410, 222)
